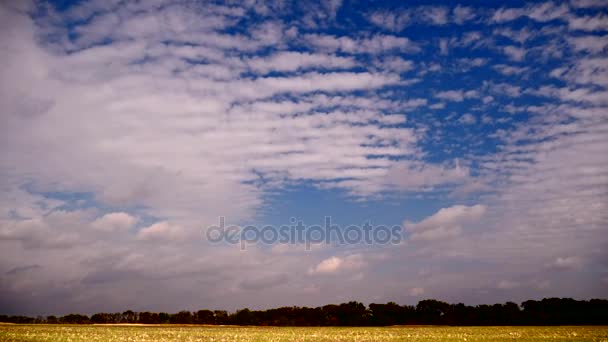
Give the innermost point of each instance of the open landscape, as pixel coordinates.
(76, 333)
(283, 170)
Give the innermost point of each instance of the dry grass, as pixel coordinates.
(230, 333)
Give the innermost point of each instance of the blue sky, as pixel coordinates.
(129, 127)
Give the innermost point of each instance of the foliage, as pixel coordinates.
(549, 311)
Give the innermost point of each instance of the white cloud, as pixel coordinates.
(467, 119)
(444, 46)
(567, 263)
(502, 15)
(548, 11)
(268, 86)
(507, 285)
(505, 89)
(114, 222)
(578, 95)
(520, 35)
(336, 264)
(593, 44)
(411, 175)
(514, 53)
(414, 103)
(463, 14)
(397, 20)
(541, 12)
(456, 95)
(163, 232)
(390, 20)
(588, 3)
(439, 105)
(373, 45)
(142, 114)
(434, 14)
(509, 70)
(445, 223)
(329, 265)
(416, 291)
(333, 6)
(474, 39)
(396, 64)
(292, 61)
(588, 23)
(585, 71)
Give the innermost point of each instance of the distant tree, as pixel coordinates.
(221, 317)
(17, 319)
(129, 316)
(309, 317)
(511, 314)
(182, 317)
(74, 319)
(243, 317)
(101, 318)
(148, 318)
(390, 314)
(594, 312)
(204, 317)
(548, 311)
(352, 314)
(163, 317)
(431, 311)
(460, 314)
(331, 315)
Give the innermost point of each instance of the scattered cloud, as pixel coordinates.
(588, 3)
(371, 45)
(589, 23)
(336, 264)
(456, 95)
(541, 12)
(396, 20)
(416, 291)
(509, 70)
(114, 222)
(391, 20)
(293, 61)
(507, 285)
(567, 263)
(161, 231)
(445, 223)
(467, 119)
(514, 53)
(128, 129)
(330, 265)
(434, 14)
(463, 14)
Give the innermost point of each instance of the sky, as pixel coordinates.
(128, 128)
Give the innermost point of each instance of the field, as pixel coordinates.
(231, 333)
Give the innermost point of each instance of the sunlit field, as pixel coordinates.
(234, 333)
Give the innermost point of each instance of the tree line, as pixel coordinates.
(549, 311)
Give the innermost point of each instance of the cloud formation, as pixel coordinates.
(445, 223)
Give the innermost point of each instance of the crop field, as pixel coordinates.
(235, 333)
